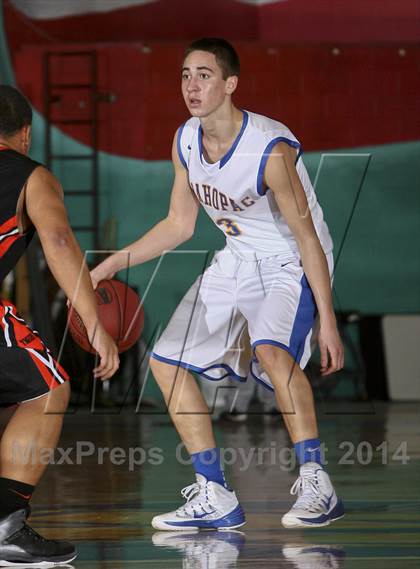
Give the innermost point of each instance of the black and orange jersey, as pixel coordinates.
(15, 169)
(27, 367)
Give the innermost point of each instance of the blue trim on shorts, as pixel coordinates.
(298, 156)
(255, 359)
(265, 156)
(178, 145)
(304, 320)
(257, 379)
(201, 370)
(302, 325)
(272, 343)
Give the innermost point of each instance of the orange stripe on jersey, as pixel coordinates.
(44, 371)
(61, 370)
(24, 336)
(8, 225)
(7, 242)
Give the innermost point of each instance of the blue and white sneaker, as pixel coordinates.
(317, 504)
(209, 506)
(203, 549)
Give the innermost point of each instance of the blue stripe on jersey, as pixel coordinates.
(232, 149)
(237, 139)
(200, 370)
(178, 144)
(266, 154)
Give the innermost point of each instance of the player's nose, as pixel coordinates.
(192, 85)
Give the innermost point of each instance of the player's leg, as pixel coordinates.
(23, 450)
(31, 434)
(292, 390)
(281, 339)
(186, 405)
(31, 378)
(211, 504)
(317, 504)
(196, 339)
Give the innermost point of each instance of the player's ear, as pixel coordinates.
(231, 84)
(26, 138)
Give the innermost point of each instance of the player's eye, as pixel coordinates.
(185, 76)
(204, 76)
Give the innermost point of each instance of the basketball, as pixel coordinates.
(120, 312)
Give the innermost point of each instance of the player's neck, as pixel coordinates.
(222, 126)
(10, 144)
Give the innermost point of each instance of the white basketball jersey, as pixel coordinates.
(232, 190)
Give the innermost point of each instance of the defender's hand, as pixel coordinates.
(108, 353)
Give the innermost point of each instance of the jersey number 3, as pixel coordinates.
(229, 227)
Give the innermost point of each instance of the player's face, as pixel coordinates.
(203, 87)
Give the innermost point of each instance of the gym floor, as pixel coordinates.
(105, 503)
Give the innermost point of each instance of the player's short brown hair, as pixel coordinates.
(15, 111)
(225, 54)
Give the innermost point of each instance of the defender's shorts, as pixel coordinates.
(27, 368)
(269, 299)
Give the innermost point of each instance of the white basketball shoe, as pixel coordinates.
(317, 503)
(209, 506)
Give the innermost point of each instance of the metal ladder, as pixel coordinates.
(42, 317)
(52, 94)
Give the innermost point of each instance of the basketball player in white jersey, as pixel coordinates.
(273, 278)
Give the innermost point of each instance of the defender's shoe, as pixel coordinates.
(314, 556)
(209, 506)
(317, 504)
(21, 546)
(204, 549)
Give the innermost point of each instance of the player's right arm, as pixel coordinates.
(44, 205)
(177, 227)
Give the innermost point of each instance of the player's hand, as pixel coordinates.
(107, 350)
(100, 273)
(331, 348)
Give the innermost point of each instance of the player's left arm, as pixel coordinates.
(283, 180)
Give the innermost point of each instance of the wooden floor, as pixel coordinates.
(105, 509)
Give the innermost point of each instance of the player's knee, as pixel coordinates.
(55, 401)
(59, 398)
(64, 394)
(272, 358)
(266, 354)
(163, 373)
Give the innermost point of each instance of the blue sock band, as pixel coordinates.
(208, 464)
(308, 451)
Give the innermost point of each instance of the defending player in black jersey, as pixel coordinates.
(31, 199)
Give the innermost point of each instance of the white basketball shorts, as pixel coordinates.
(236, 305)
